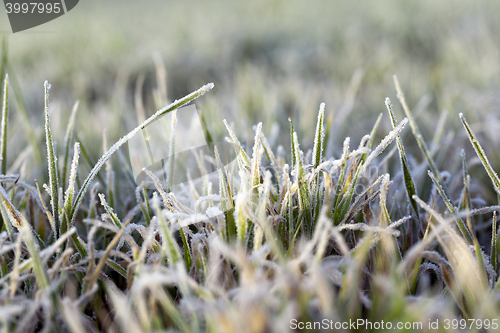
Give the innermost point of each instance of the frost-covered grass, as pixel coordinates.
(363, 207)
(301, 236)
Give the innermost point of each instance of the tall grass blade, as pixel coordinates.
(303, 189)
(68, 137)
(411, 189)
(52, 164)
(416, 131)
(451, 208)
(481, 154)
(19, 221)
(242, 157)
(319, 137)
(494, 241)
(3, 135)
(70, 191)
(171, 153)
(175, 105)
(4, 56)
(22, 111)
(256, 165)
(372, 137)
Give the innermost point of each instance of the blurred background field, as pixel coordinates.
(268, 59)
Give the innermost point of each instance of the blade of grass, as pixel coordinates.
(411, 189)
(52, 165)
(3, 135)
(292, 142)
(175, 105)
(303, 189)
(67, 141)
(318, 137)
(481, 154)
(256, 165)
(70, 191)
(317, 157)
(493, 252)
(416, 131)
(32, 135)
(173, 252)
(110, 175)
(451, 208)
(5, 53)
(372, 137)
(171, 153)
(18, 220)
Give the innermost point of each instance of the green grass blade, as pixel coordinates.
(303, 189)
(171, 154)
(372, 137)
(3, 135)
(451, 208)
(243, 155)
(19, 221)
(493, 252)
(411, 189)
(173, 251)
(4, 56)
(110, 211)
(22, 111)
(52, 165)
(70, 191)
(110, 175)
(256, 165)
(67, 140)
(175, 105)
(292, 142)
(337, 197)
(481, 154)
(319, 137)
(416, 131)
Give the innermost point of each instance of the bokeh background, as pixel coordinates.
(269, 60)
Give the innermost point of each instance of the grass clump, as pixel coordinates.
(299, 236)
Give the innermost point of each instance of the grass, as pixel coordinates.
(310, 249)
(336, 215)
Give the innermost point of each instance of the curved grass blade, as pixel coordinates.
(175, 105)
